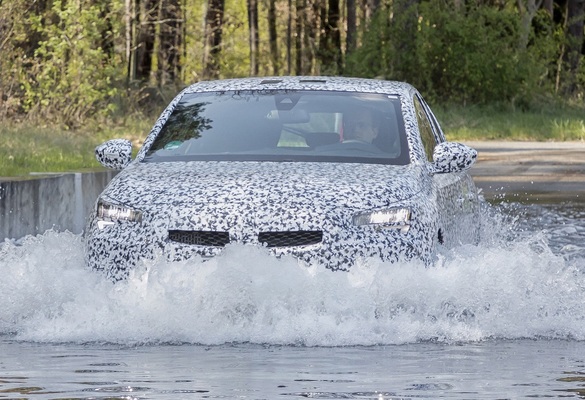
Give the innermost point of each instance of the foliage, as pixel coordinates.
(13, 39)
(235, 61)
(71, 74)
(469, 57)
(67, 62)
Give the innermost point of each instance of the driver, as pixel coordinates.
(359, 126)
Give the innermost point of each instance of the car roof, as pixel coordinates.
(325, 83)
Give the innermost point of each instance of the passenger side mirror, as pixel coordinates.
(115, 153)
(453, 157)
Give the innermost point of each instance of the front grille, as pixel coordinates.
(200, 238)
(290, 238)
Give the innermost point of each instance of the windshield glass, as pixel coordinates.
(279, 125)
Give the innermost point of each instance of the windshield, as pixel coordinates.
(283, 125)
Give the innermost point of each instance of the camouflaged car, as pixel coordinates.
(329, 170)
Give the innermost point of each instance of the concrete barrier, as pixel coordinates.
(61, 202)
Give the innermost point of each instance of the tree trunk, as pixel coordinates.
(253, 36)
(146, 37)
(371, 6)
(527, 9)
(300, 8)
(289, 39)
(107, 41)
(575, 21)
(331, 51)
(351, 37)
(213, 38)
(321, 11)
(272, 37)
(170, 41)
(129, 21)
(548, 5)
(310, 37)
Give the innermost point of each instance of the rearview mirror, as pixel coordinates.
(294, 116)
(453, 157)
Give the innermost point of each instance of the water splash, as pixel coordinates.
(514, 285)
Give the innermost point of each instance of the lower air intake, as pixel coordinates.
(290, 238)
(200, 238)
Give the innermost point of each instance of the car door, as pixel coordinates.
(455, 192)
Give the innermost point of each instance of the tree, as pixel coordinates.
(351, 37)
(300, 12)
(68, 59)
(330, 50)
(289, 44)
(213, 38)
(170, 39)
(71, 75)
(575, 32)
(527, 10)
(273, 37)
(130, 37)
(144, 47)
(254, 38)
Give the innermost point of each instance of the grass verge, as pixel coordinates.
(26, 149)
(552, 124)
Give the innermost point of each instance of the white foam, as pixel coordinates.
(505, 288)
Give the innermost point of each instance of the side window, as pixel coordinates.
(426, 131)
(439, 132)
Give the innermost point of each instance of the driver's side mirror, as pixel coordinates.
(115, 153)
(453, 157)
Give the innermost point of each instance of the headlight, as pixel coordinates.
(394, 218)
(108, 214)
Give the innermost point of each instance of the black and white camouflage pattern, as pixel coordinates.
(118, 158)
(451, 156)
(245, 198)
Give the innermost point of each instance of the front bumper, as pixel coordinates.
(118, 248)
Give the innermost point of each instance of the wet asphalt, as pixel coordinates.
(530, 171)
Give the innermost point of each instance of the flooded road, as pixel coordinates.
(484, 370)
(505, 319)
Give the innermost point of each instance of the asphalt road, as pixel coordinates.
(530, 171)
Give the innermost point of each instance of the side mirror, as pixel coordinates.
(115, 153)
(453, 157)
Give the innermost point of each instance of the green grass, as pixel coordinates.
(555, 124)
(26, 149)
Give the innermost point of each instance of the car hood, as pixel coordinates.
(352, 185)
(259, 193)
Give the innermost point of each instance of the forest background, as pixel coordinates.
(76, 72)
